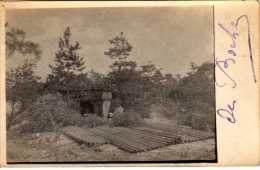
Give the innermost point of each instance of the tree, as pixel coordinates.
(196, 95)
(16, 42)
(22, 86)
(22, 89)
(98, 81)
(120, 50)
(68, 64)
(137, 87)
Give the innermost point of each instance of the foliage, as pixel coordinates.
(16, 42)
(167, 108)
(140, 87)
(137, 87)
(190, 98)
(92, 121)
(68, 66)
(120, 48)
(22, 85)
(195, 95)
(129, 87)
(51, 111)
(127, 119)
(46, 113)
(22, 88)
(98, 81)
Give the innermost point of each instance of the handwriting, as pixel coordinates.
(232, 50)
(224, 64)
(228, 113)
(223, 69)
(236, 24)
(233, 35)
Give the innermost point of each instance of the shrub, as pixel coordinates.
(127, 119)
(195, 95)
(51, 111)
(198, 115)
(167, 108)
(92, 121)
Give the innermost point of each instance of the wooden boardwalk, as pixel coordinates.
(139, 139)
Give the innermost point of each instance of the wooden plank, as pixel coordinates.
(119, 140)
(127, 139)
(157, 138)
(133, 140)
(83, 136)
(159, 132)
(153, 142)
(145, 139)
(190, 133)
(116, 141)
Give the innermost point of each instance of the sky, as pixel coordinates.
(169, 37)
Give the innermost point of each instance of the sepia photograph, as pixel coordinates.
(110, 85)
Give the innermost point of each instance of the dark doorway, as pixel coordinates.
(86, 107)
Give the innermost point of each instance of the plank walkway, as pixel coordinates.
(138, 139)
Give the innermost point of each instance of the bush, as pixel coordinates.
(168, 108)
(127, 119)
(198, 115)
(92, 121)
(195, 95)
(51, 111)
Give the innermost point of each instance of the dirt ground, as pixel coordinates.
(48, 147)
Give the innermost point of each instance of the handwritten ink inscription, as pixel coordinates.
(224, 64)
(228, 112)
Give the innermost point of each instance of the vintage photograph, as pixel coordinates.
(110, 84)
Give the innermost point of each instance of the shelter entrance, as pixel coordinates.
(91, 101)
(86, 107)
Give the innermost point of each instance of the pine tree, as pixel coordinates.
(16, 41)
(119, 51)
(22, 84)
(68, 64)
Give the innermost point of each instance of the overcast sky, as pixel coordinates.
(169, 37)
